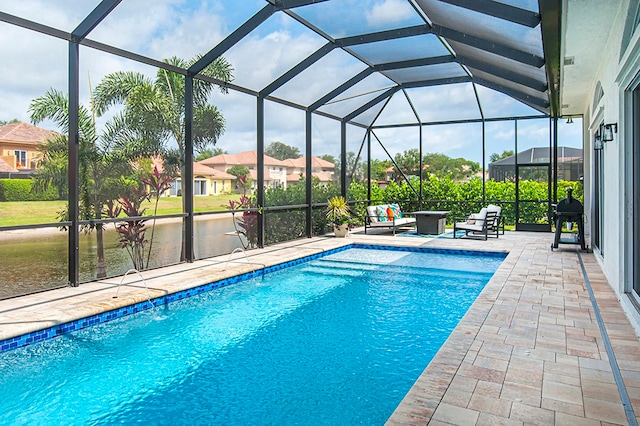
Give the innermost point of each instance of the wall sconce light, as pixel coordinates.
(608, 130)
(597, 141)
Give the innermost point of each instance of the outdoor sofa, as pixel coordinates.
(387, 216)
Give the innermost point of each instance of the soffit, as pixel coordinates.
(585, 33)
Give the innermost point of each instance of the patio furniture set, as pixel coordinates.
(487, 222)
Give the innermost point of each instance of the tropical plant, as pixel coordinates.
(102, 164)
(158, 182)
(338, 212)
(154, 110)
(131, 232)
(246, 225)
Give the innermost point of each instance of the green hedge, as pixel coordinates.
(463, 198)
(20, 190)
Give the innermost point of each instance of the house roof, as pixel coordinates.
(316, 162)
(201, 169)
(540, 155)
(24, 133)
(323, 176)
(242, 158)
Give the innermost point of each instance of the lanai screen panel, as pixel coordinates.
(347, 18)
(65, 16)
(445, 103)
(357, 95)
(320, 78)
(498, 105)
(271, 50)
(161, 30)
(400, 49)
(397, 111)
(511, 31)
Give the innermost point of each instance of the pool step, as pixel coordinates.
(349, 268)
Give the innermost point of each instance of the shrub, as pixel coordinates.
(21, 190)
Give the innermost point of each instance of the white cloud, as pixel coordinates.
(389, 11)
(32, 63)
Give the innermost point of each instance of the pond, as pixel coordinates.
(36, 259)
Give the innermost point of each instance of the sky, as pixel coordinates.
(33, 63)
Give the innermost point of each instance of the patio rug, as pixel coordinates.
(447, 234)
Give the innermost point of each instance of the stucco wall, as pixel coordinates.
(615, 75)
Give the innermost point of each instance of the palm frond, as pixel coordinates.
(116, 87)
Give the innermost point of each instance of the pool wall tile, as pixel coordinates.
(64, 328)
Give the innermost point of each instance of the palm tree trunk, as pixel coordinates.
(101, 267)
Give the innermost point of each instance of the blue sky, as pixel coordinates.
(162, 28)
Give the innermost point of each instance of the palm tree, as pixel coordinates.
(102, 171)
(155, 109)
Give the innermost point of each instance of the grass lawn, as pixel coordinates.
(14, 213)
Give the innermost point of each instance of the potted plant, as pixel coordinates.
(339, 215)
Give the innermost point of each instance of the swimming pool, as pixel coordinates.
(335, 340)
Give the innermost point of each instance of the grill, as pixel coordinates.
(569, 210)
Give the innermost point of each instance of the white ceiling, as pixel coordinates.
(585, 30)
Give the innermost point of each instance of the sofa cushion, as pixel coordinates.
(381, 212)
(372, 214)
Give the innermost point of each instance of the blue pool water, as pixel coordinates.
(337, 340)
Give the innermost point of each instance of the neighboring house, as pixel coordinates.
(275, 171)
(570, 164)
(206, 181)
(322, 169)
(6, 169)
(19, 145)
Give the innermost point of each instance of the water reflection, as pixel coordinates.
(34, 260)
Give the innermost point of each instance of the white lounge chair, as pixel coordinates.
(482, 224)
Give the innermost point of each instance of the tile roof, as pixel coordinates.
(241, 158)
(323, 176)
(316, 162)
(201, 169)
(24, 133)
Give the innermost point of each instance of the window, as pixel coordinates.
(176, 188)
(200, 187)
(21, 158)
(598, 201)
(635, 202)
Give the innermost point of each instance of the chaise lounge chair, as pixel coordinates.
(482, 224)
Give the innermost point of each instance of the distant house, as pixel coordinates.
(19, 145)
(6, 169)
(322, 169)
(570, 163)
(277, 173)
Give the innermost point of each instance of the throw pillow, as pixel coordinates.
(397, 213)
(390, 213)
(381, 212)
(471, 220)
